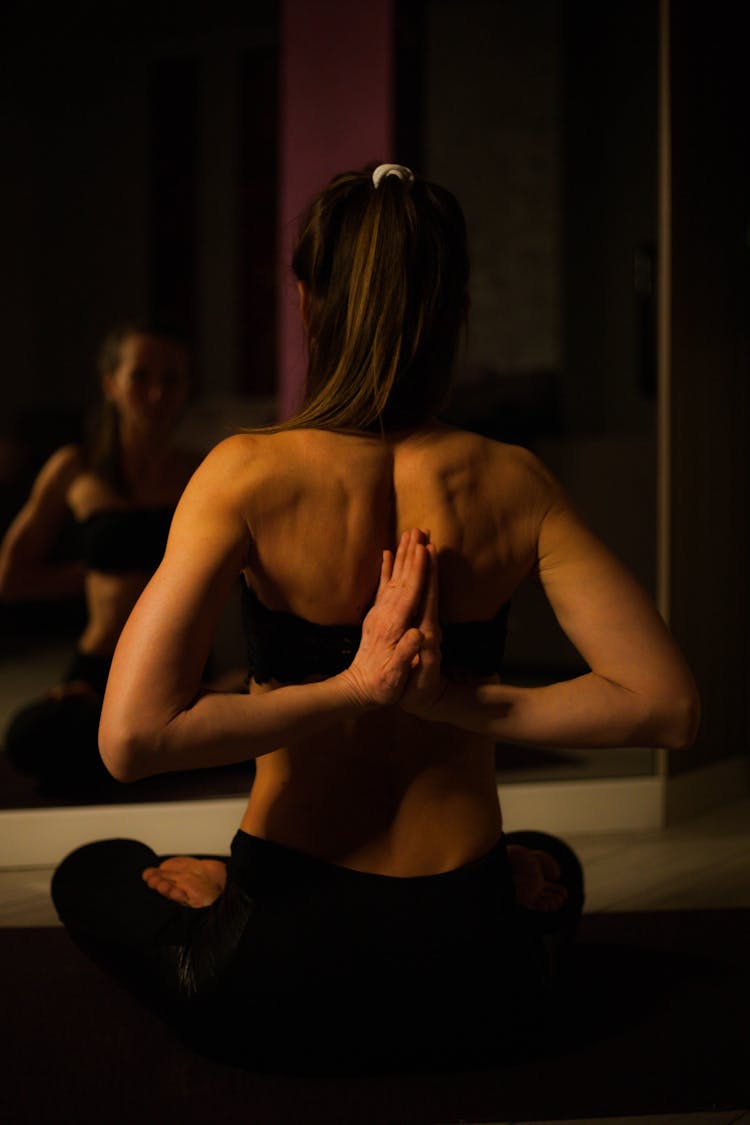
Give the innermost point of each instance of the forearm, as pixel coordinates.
(223, 728)
(588, 711)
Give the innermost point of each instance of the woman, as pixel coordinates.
(372, 912)
(121, 491)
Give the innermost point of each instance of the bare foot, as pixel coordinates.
(535, 877)
(189, 881)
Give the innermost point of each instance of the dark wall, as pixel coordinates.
(609, 215)
(74, 210)
(542, 117)
(140, 156)
(710, 401)
(492, 133)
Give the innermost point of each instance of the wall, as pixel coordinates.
(541, 116)
(710, 403)
(492, 134)
(335, 114)
(74, 214)
(609, 214)
(122, 185)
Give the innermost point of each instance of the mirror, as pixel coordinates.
(539, 120)
(144, 175)
(144, 179)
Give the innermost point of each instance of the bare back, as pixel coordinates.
(306, 515)
(390, 793)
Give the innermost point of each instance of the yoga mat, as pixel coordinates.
(654, 1018)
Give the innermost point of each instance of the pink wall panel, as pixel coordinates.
(335, 114)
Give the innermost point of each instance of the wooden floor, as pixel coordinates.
(703, 863)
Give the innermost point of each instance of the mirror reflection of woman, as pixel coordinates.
(373, 912)
(121, 490)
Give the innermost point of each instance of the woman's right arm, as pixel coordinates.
(639, 690)
(158, 718)
(25, 568)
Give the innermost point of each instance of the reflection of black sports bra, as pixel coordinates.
(115, 540)
(287, 648)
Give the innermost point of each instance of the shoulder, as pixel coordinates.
(236, 469)
(44, 511)
(524, 491)
(60, 470)
(511, 472)
(528, 474)
(238, 455)
(67, 459)
(254, 457)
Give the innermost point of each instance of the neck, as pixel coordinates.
(144, 453)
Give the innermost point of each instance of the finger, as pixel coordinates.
(423, 675)
(413, 582)
(386, 570)
(401, 600)
(430, 622)
(405, 556)
(413, 552)
(398, 562)
(404, 653)
(429, 654)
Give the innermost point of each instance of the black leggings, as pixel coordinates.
(306, 966)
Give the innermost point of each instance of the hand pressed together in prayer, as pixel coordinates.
(390, 652)
(426, 683)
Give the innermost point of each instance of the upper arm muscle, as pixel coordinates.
(163, 648)
(603, 609)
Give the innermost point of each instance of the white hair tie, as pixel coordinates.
(399, 170)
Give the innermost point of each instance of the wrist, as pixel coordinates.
(349, 695)
(438, 708)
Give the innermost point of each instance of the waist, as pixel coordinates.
(259, 865)
(394, 797)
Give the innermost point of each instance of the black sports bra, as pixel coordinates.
(115, 540)
(287, 648)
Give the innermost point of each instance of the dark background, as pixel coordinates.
(140, 180)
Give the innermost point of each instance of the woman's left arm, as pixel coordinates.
(156, 718)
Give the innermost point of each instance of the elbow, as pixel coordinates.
(122, 752)
(678, 721)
